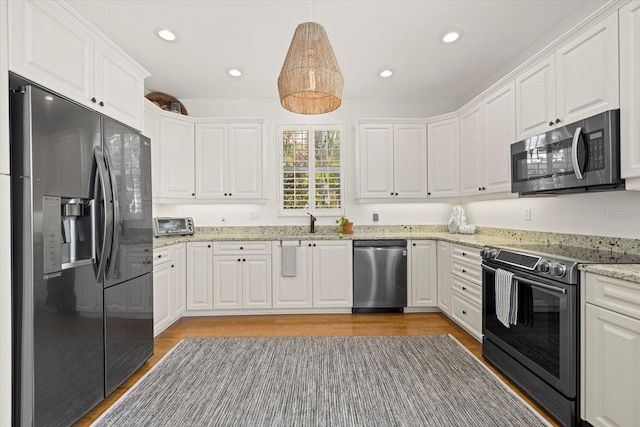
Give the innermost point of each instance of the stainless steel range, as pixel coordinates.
(531, 319)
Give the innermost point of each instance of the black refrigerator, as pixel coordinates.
(82, 283)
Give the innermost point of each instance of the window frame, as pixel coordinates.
(311, 129)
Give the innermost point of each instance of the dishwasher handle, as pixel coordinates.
(379, 243)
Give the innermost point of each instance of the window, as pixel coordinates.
(311, 170)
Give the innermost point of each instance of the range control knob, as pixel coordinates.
(489, 253)
(543, 267)
(558, 269)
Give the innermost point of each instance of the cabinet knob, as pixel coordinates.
(484, 188)
(464, 312)
(314, 245)
(230, 194)
(93, 100)
(309, 244)
(159, 256)
(193, 194)
(479, 188)
(396, 194)
(243, 260)
(208, 246)
(392, 194)
(172, 265)
(557, 121)
(238, 259)
(551, 123)
(241, 247)
(101, 104)
(464, 271)
(464, 288)
(225, 194)
(428, 193)
(414, 244)
(464, 254)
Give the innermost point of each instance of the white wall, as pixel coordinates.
(614, 214)
(240, 214)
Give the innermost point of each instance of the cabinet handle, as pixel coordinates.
(93, 100)
(159, 256)
(101, 104)
(550, 123)
(464, 254)
(557, 120)
(464, 271)
(464, 312)
(464, 288)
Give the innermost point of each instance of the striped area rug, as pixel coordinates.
(320, 381)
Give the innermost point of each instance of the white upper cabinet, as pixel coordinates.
(471, 138)
(392, 161)
(630, 94)
(499, 133)
(229, 161)
(442, 141)
(578, 81)
(52, 46)
(176, 158)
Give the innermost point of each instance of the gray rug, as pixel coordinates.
(320, 381)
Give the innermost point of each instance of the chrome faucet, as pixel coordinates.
(312, 223)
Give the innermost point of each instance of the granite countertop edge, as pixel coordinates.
(628, 272)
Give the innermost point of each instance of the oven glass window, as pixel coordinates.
(537, 334)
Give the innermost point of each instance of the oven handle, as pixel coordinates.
(531, 282)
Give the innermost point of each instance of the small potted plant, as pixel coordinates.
(344, 225)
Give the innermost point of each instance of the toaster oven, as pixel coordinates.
(164, 226)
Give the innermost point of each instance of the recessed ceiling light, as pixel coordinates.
(451, 36)
(234, 72)
(386, 73)
(166, 34)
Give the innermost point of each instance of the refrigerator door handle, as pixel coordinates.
(107, 226)
(113, 252)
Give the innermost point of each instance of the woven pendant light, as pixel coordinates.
(310, 81)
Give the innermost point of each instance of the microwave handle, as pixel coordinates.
(574, 153)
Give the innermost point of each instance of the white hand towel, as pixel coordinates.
(513, 308)
(289, 260)
(503, 282)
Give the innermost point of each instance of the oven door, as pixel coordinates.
(545, 337)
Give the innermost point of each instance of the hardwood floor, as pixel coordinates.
(301, 325)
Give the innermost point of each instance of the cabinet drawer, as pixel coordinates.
(465, 253)
(231, 248)
(468, 271)
(161, 255)
(467, 313)
(614, 294)
(466, 288)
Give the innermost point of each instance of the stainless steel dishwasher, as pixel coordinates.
(379, 275)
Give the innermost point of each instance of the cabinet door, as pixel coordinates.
(410, 161)
(256, 281)
(162, 274)
(212, 167)
(332, 274)
(499, 133)
(199, 276)
(630, 94)
(227, 282)
(51, 48)
(178, 281)
(376, 161)
(443, 158)
(424, 290)
(292, 291)
(177, 157)
(587, 72)
(152, 131)
(119, 87)
(612, 371)
(536, 98)
(444, 278)
(245, 161)
(471, 152)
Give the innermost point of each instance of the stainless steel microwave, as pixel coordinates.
(578, 157)
(173, 226)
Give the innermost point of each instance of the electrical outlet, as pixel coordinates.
(527, 214)
(375, 215)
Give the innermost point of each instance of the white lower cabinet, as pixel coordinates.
(323, 276)
(423, 287)
(241, 275)
(466, 288)
(199, 276)
(169, 274)
(611, 348)
(444, 278)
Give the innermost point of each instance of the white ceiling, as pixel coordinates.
(367, 37)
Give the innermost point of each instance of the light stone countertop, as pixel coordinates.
(628, 272)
